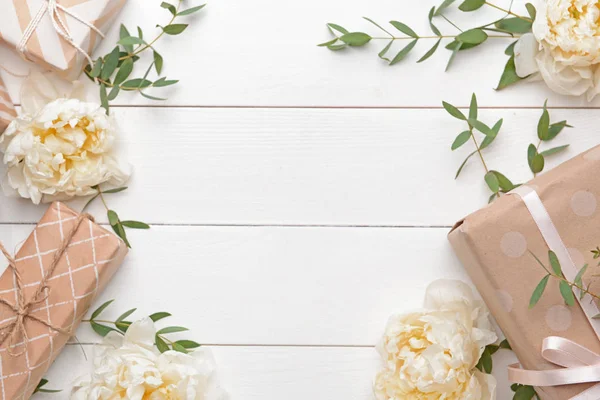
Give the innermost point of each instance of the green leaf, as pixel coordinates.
(115, 190)
(135, 84)
(404, 52)
(99, 310)
(544, 124)
(443, 6)
(434, 28)
(174, 29)
(161, 345)
(169, 7)
(158, 62)
(492, 348)
(179, 348)
(113, 218)
(110, 64)
(114, 92)
(338, 28)
(454, 52)
(566, 293)
(95, 72)
(383, 52)
(554, 150)
(463, 46)
(104, 98)
(123, 326)
(120, 231)
(509, 75)
(135, 225)
(538, 291)
(124, 72)
(503, 181)
(472, 36)
(431, 51)
(355, 38)
(188, 344)
(140, 33)
(162, 82)
(557, 128)
(535, 160)
(579, 277)
(514, 25)
(461, 139)
(481, 127)
(159, 315)
(152, 97)
(172, 329)
(505, 345)
(486, 361)
(463, 164)
(130, 41)
(337, 47)
(531, 10)
(471, 5)
(126, 314)
(100, 329)
(492, 182)
(455, 112)
(39, 388)
(190, 10)
(473, 107)
(328, 43)
(524, 393)
(554, 263)
(404, 29)
(510, 50)
(490, 138)
(123, 33)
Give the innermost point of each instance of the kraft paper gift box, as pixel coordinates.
(495, 246)
(45, 45)
(7, 109)
(84, 268)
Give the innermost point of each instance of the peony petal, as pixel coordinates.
(525, 51)
(37, 91)
(441, 294)
(141, 333)
(488, 384)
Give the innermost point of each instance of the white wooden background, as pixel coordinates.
(299, 197)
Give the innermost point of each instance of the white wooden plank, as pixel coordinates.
(293, 373)
(298, 166)
(256, 285)
(264, 53)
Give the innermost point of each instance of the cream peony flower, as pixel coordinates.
(131, 368)
(59, 147)
(564, 48)
(432, 354)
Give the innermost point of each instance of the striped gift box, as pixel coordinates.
(7, 109)
(45, 45)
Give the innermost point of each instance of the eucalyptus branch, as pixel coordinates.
(121, 325)
(113, 70)
(508, 12)
(116, 223)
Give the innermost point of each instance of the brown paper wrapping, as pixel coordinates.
(7, 109)
(46, 47)
(494, 243)
(93, 256)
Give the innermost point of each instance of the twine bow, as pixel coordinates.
(22, 307)
(52, 7)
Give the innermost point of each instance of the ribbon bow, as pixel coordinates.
(52, 7)
(22, 307)
(580, 365)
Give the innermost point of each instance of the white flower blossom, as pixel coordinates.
(432, 354)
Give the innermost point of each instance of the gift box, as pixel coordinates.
(496, 245)
(7, 109)
(60, 269)
(57, 34)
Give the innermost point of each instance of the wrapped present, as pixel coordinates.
(57, 34)
(46, 290)
(7, 109)
(556, 343)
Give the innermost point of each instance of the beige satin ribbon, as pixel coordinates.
(52, 8)
(578, 364)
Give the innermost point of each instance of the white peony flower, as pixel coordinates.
(59, 147)
(130, 367)
(432, 354)
(564, 48)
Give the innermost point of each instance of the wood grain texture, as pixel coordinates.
(259, 373)
(314, 167)
(264, 53)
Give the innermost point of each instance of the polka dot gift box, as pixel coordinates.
(558, 210)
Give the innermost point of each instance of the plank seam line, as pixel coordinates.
(200, 225)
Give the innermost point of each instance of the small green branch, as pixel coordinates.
(509, 12)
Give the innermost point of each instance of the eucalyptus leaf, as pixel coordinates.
(99, 310)
(538, 291)
(461, 139)
(338, 28)
(328, 43)
(135, 225)
(188, 344)
(473, 107)
(135, 84)
(505, 183)
(473, 36)
(124, 72)
(566, 293)
(554, 150)
(126, 314)
(179, 348)
(430, 52)
(95, 71)
(514, 25)
(113, 218)
(454, 52)
(434, 28)
(383, 52)
(130, 40)
(174, 29)
(486, 361)
(471, 5)
(462, 166)
(161, 344)
(509, 75)
(544, 124)
(110, 64)
(162, 82)
(123, 33)
(510, 50)
(114, 92)
(355, 38)
(190, 10)
(579, 277)
(492, 181)
(490, 138)
(455, 112)
(505, 345)
(172, 329)
(158, 62)
(337, 47)
(104, 98)
(557, 128)
(159, 315)
(524, 393)
(404, 52)
(531, 10)
(445, 4)
(115, 190)
(554, 263)
(404, 29)
(100, 329)
(481, 127)
(169, 7)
